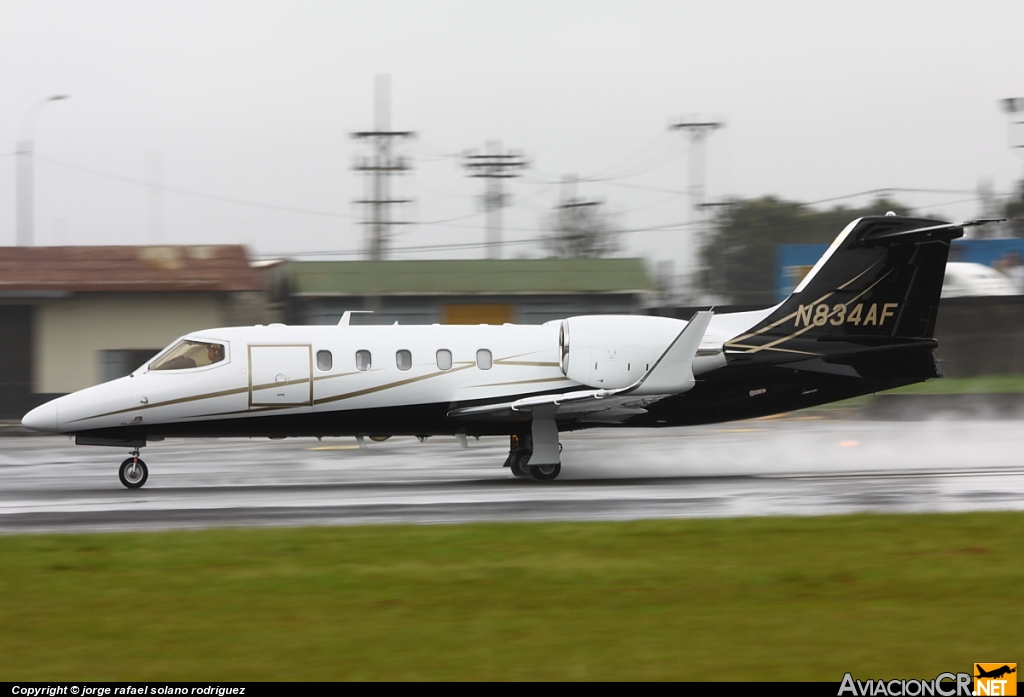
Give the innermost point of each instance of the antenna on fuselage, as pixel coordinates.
(346, 316)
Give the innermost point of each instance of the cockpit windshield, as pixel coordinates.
(189, 354)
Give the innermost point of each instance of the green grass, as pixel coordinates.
(744, 599)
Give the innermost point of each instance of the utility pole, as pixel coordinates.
(698, 132)
(380, 166)
(494, 166)
(1014, 108)
(577, 227)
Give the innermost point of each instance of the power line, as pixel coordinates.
(890, 190)
(468, 245)
(187, 192)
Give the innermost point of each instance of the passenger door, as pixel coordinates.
(280, 375)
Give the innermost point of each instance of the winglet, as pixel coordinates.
(673, 372)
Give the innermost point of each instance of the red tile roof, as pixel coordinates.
(130, 269)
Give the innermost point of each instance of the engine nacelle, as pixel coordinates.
(614, 351)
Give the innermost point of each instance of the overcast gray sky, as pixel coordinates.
(255, 101)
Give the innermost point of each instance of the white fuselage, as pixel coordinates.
(298, 370)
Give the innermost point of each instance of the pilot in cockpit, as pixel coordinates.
(189, 354)
(215, 352)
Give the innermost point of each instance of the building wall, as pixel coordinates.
(71, 334)
(981, 336)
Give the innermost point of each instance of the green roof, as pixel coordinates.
(468, 276)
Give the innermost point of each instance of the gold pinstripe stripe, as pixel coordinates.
(524, 382)
(771, 345)
(461, 365)
(397, 383)
(180, 400)
(792, 315)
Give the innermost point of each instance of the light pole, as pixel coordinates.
(23, 178)
(698, 130)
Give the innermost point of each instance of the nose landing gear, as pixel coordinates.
(133, 473)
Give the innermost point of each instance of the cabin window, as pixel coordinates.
(363, 361)
(483, 359)
(403, 359)
(324, 360)
(189, 354)
(444, 359)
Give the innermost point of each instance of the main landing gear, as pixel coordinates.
(133, 473)
(519, 454)
(536, 454)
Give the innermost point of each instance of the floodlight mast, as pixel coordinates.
(698, 132)
(23, 184)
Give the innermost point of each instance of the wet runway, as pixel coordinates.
(796, 465)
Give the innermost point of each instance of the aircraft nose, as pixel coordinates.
(42, 418)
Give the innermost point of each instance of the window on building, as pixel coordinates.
(189, 354)
(363, 361)
(444, 359)
(483, 359)
(324, 360)
(403, 359)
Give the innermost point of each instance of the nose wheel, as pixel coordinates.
(133, 473)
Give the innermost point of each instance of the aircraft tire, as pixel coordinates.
(519, 468)
(546, 473)
(133, 477)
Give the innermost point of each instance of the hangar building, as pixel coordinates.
(71, 317)
(465, 291)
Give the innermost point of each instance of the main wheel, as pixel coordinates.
(133, 473)
(546, 473)
(518, 465)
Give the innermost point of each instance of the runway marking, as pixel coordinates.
(788, 416)
(881, 474)
(334, 447)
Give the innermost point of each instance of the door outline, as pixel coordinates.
(309, 353)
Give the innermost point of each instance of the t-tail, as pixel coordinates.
(867, 308)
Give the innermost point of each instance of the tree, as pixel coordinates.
(578, 228)
(740, 257)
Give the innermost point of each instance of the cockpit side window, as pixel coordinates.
(189, 354)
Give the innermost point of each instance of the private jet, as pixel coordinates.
(861, 321)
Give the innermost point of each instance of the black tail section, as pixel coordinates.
(876, 288)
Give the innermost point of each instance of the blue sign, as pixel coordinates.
(794, 261)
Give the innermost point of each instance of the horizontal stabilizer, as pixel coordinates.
(928, 231)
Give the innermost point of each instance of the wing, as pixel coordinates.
(671, 374)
